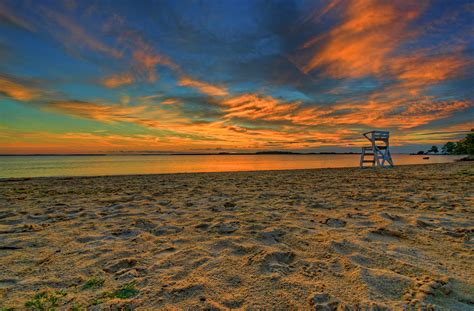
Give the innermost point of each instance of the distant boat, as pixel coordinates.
(426, 158)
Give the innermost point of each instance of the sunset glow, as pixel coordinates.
(238, 76)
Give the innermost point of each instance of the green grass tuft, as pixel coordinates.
(97, 301)
(77, 308)
(94, 283)
(126, 291)
(45, 301)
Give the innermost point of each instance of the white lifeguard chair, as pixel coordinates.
(378, 154)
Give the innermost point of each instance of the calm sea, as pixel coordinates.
(42, 166)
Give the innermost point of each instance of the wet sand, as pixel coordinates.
(325, 239)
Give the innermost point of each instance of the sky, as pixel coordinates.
(214, 76)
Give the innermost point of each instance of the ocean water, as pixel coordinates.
(44, 166)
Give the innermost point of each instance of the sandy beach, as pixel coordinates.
(325, 239)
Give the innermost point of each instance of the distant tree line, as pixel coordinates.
(464, 146)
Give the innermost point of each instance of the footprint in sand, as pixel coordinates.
(344, 247)
(386, 234)
(325, 302)
(144, 224)
(314, 269)
(124, 233)
(385, 283)
(279, 262)
(270, 237)
(121, 265)
(226, 227)
(166, 230)
(186, 292)
(429, 289)
(233, 303)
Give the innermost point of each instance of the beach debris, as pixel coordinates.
(10, 248)
(230, 204)
(320, 297)
(164, 202)
(202, 226)
(335, 222)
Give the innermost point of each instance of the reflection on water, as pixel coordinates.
(34, 166)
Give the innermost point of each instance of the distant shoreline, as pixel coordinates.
(194, 154)
(175, 154)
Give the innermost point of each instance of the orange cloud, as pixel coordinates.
(147, 59)
(205, 88)
(360, 46)
(424, 112)
(439, 135)
(143, 115)
(18, 91)
(118, 80)
(419, 71)
(392, 114)
(104, 113)
(254, 106)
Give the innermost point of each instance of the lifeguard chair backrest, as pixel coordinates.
(380, 135)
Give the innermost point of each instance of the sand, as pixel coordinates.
(326, 239)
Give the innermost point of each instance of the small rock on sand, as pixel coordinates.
(164, 202)
(320, 297)
(229, 204)
(335, 223)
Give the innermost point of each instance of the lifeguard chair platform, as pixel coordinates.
(378, 154)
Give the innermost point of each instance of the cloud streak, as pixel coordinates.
(203, 87)
(118, 80)
(361, 45)
(18, 90)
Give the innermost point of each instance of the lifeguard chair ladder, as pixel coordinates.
(378, 154)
